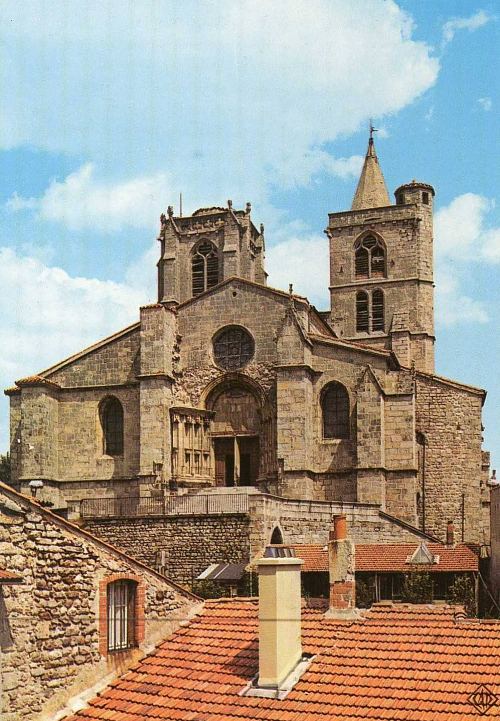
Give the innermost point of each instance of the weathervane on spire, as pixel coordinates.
(372, 130)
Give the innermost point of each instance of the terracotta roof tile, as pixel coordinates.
(414, 663)
(392, 557)
(9, 577)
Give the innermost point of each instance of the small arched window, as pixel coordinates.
(362, 316)
(378, 310)
(277, 536)
(121, 615)
(369, 258)
(112, 427)
(205, 267)
(335, 408)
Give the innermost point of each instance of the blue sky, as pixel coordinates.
(110, 109)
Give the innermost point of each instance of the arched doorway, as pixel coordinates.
(237, 433)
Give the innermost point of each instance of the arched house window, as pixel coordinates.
(121, 613)
(335, 411)
(111, 413)
(277, 536)
(369, 258)
(204, 267)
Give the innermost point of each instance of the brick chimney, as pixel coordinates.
(280, 647)
(341, 563)
(450, 533)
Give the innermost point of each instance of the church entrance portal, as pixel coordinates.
(236, 461)
(236, 433)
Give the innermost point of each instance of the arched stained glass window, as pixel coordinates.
(205, 267)
(335, 408)
(112, 427)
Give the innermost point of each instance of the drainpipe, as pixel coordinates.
(424, 443)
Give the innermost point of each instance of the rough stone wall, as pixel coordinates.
(190, 544)
(495, 542)
(116, 362)
(38, 428)
(15, 436)
(80, 435)
(49, 639)
(450, 418)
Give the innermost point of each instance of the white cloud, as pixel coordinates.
(474, 22)
(304, 262)
(250, 93)
(462, 238)
(485, 103)
(47, 315)
(82, 201)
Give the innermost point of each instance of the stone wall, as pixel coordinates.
(449, 417)
(113, 362)
(495, 542)
(189, 544)
(50, 626)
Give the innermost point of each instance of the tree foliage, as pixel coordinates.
(417, 587)
(5, 475)
(462, 592)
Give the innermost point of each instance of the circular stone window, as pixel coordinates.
(233, 348)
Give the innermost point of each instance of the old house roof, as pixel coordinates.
(414, 663)
(393, 557)
(26, 501)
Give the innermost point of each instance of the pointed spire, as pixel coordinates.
(371, 191)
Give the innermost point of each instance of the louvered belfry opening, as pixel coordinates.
(378, 310)
(205, 267)
(369, 259)
(362, 317)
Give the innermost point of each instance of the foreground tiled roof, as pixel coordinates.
(414, 663)
(391, 557)
(9, 577)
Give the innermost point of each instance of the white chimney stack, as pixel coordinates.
(280, 647)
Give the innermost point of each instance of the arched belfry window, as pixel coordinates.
(335, 408)
(378, 310)
(362, 314)
(370, 311)
(205, 267)
(112, 426)
(369, 258)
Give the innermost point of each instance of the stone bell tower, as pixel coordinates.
(206, 248)
(381, 267)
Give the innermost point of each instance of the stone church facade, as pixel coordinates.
(227, 382)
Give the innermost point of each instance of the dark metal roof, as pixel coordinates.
(222, 572)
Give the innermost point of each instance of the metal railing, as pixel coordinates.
(188, 505)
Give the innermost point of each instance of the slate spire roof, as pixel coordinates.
(372, 190)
